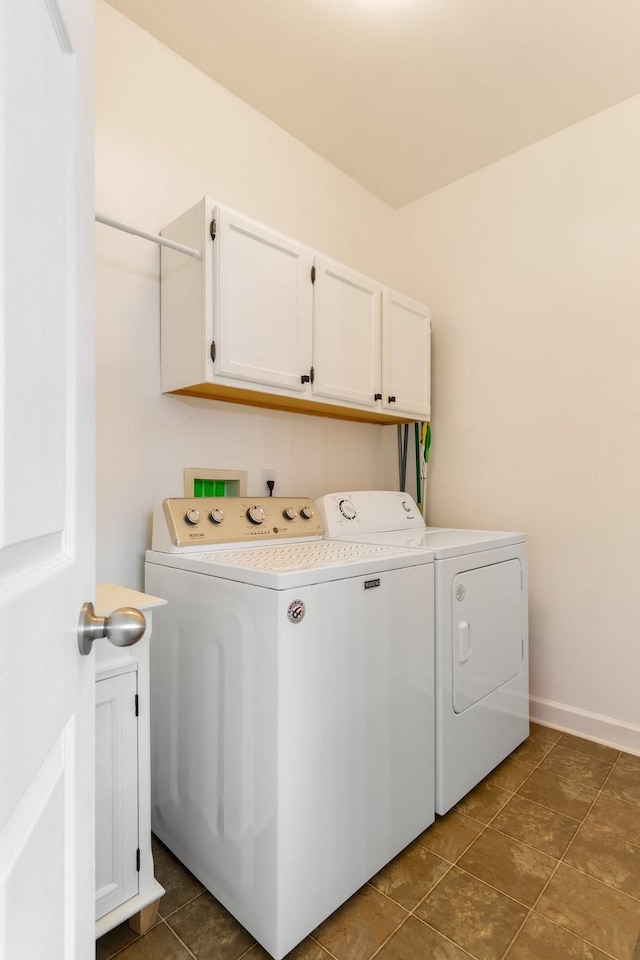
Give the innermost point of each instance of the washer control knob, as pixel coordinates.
(406, 506)
(255, 514)
(192, 517)
(216, 516)
(347, 510)
(289, 513)
(307, 512)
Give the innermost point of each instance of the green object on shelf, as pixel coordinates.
(418, 470)
(209, 488)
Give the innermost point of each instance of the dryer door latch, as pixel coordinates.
(464, 642)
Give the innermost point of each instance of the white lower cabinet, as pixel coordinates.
(126, 888)
(261, 319)
(116, 791)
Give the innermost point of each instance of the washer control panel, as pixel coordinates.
(206, 521)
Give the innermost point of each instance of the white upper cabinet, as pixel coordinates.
(248, 324)
(262, 304)
(346, 334)
(240, 315)
(406, 356)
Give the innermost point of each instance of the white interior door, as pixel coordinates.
(46, 478)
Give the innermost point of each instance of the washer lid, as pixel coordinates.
(282, 566)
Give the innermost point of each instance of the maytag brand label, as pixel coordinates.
(296, 611)
(368, 584)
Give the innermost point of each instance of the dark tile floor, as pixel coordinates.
(540, 862)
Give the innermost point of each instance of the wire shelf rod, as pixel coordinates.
(154, 238)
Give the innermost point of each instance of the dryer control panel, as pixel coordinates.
(181, 523)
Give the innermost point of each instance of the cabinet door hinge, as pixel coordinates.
(305, 378)
(136, 704)
(212, 351)
(312, 374)
(212, 229)
(377, 396)
(138, 859)
(313, 274)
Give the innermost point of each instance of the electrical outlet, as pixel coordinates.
(264, 476)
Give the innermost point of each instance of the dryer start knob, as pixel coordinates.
(347, 510)
(192, 517)
(255, 514)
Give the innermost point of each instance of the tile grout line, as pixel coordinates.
(530, 909)
(485, 826)
(455, 863)
(599, 791)
(187, 903)
(430, 927)
(191, 954)
(322, 947)
(552, 875)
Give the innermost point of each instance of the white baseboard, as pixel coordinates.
(591, 726)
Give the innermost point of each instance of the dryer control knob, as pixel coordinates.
(216, 516)
(347, 510)
(255, 514)
(192, 517)
(289, 513)
(307, 512)
(406, 506)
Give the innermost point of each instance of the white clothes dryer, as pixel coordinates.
(481, 630)
(292, 719)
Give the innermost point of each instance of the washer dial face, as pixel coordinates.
(307, 512)
(216, 516)
(256, 514)
(192, 517)
(289, 513)
(347, 509)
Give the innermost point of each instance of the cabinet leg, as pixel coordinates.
(142, 921)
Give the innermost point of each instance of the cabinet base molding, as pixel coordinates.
(132, 909)
(272, 401)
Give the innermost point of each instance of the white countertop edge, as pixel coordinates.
(110, 596)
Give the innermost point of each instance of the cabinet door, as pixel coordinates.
(406, 356)
(116, 792)
(262, 304)
(346, 334)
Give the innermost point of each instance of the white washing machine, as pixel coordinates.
(292, 721)
(481, 630)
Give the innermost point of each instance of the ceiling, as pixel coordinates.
(406, 96)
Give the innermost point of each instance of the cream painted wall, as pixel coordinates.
(165, 136)
(531, 269)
